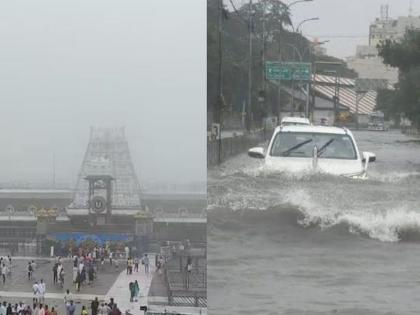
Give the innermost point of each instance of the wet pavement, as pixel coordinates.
(18, 279)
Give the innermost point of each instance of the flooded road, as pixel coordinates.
(316, 244)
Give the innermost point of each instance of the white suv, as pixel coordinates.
(302, 148)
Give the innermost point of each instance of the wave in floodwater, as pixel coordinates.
(385, 207)
(373, 175)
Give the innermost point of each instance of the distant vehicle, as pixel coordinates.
(330, 150)
(294, 121)
(377, 121)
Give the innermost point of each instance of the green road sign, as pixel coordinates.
(287, 71)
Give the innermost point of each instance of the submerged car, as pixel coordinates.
(330, 150)
(295, 121)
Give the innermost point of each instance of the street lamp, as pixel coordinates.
(295, 50)
(292, 4)
(298, 1)
(304, 21)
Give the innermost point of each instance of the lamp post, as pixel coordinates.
(292, 4)
(249, 107)
(336, 93)
(304, 21)
(279, 83)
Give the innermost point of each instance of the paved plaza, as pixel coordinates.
(110, 282)
(18, 279)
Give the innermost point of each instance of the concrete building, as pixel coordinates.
(384, 28)
(369, 65)
(366, 62)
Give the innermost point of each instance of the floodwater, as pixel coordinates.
(317, 244)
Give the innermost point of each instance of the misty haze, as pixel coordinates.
(67, 67)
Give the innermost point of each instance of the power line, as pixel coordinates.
(339, 36)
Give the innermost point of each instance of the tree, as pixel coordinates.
(277, 42)
(405, 55)
(385, 102)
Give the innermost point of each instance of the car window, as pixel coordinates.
(298, 144)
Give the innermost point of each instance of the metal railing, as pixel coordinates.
(235, 145)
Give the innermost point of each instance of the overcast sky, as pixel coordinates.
(344, 22)
(68, 65)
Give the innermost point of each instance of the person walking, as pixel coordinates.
(146, 263)
(70, 308)
(36, 309)
(75, 272)
(53, 311)
(42, 290)
(103, 309)
(78, 281)
(91, 274)
(131, 289)
(84, 311)
(29, 270)
(4, 272)
(3, 308)
(95, 306)
(10, 262)
(55, 273)
(61, 277)
(136, 290)
(35, 289)
(67, 297)
(188, 270)
(136, 264)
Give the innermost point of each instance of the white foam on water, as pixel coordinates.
(392, 177)
(384, 225)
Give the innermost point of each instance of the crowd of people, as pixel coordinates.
(84, 270)
(86, 265)
(38, 308)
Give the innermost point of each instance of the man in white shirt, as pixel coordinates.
(20, 308)
(3, 308)
(103, 309)
(42, 290)
(81, 265)
(59, 267)
(35, 289)
(67, 297)
(4, 272)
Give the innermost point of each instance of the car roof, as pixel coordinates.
(301, 120)
(313, 129)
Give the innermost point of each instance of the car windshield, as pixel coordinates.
(299, 144)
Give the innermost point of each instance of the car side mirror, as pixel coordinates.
(257, 153)
(369, 156)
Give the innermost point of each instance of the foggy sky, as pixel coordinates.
(68, 65)
(343, 17)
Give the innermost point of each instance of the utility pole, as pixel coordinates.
(263, 96)
(53, 170)
(220, 81)
(250, 27)
(279, 87)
